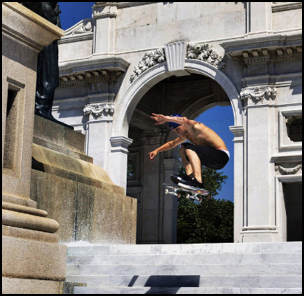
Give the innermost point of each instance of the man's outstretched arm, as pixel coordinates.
(167, 146)
(161, 119)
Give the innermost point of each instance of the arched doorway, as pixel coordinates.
(209, 87)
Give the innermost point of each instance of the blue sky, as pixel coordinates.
(218, 118)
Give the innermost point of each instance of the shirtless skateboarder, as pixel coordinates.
(205, 147)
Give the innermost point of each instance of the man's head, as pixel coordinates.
(176, 127)
(173, 125)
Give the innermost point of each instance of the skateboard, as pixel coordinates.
(190, 194)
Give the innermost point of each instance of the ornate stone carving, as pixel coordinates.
(149, 59)
(258, 94)
(283, 170)
(85, 26)
(105, 10)
(205, 53)
(99, 110)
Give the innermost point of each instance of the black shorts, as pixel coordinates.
(209, 156)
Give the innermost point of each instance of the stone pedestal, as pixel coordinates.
(77, 193)
(32, 260)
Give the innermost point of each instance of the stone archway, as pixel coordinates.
(126, 104)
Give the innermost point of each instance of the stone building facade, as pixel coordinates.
(134, 58)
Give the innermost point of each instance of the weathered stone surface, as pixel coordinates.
(24, 258)
(59, 139)
(29, 234)
(95, 213)
(30, 249)
(31, 286)
(65, 165)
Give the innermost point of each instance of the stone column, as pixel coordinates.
(119, 160)
(104, 14)
(239, 179)
(32, 260)
(259, 207)
(98, 129)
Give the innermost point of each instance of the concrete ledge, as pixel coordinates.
(53, 161)
(27, 26)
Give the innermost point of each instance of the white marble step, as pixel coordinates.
(193, 269)
(229, 280)
(178, 290)
(87, 249)
(267, 258)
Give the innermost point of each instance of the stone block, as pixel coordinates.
(33, 259)
(31, 286)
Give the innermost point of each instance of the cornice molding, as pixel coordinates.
(91, 70)
(281, 6)
(273, 42)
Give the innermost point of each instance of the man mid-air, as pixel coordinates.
(206, 148)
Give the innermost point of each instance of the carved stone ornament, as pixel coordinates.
(289, 170)
(99, 110)
(149, 59)
(258, 94)
(85, 26)
(205, 53)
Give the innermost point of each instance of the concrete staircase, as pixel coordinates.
(247, 268)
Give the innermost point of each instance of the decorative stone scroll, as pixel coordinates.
(205, 53)
(258, 94)
(283, 170)
(150, 59)
(100, 110)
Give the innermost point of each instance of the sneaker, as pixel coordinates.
(176, 179)
(191, 184)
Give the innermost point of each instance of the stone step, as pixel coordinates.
(179, 290)
(203, 269)
(87, 249)
(228, 280)
(188, 259)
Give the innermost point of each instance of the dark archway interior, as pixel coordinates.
(188, 95)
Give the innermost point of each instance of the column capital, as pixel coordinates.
(238, 131)
(100, 110)
(120, 143)
(258, 95)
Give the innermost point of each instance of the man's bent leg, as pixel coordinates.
(196, 165)
(186, 164)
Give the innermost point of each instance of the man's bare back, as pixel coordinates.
(202, 135)
(196, 132)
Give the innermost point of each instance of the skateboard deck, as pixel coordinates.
(190, 194)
